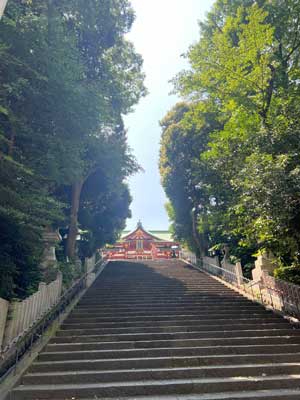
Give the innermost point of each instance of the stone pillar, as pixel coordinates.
(59, 284)
(43, 291)
(239, 273)
(26, 317)
(264, 263)
(49, 261)
(11, 323)
(90, 264)
(90, 279)
(22, 316)
(226, 252)
(2, 7)
(3, 316)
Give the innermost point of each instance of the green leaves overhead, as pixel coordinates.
(67, 77)
(233, 65)
(244, 74)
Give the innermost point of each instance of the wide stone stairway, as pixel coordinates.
(162, 330)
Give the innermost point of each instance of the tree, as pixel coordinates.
(185, 133)
(245, 68)
(67, 77)
(115, 69)
(107, 155)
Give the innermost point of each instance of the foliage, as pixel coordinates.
(244, 74)
(185, 135)
(70, 272)
(290, 273)
(67, 76)
(18, 258)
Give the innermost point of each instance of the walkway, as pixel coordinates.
(161, 330)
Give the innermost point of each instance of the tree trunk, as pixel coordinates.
(268, 95)
(75, 203)
(195, 231)
(199, 239)
(73, 229)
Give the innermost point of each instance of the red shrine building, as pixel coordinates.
(141, 244)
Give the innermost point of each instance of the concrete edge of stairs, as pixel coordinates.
(285, 394)
(15, 375)
(289, 318)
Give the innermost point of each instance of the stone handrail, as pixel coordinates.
(271, 292)
(17, 317)
(20, 345)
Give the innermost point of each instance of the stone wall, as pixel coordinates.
(3, 316)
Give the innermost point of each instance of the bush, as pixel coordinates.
(70, 272)
(289, 274)
(20, 252)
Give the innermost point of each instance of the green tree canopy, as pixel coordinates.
(67, 76)
(244, 71)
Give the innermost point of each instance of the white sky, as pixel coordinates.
(163, 30)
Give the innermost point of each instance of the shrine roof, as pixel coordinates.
(159, 235)
(163, 235)
(141, 233)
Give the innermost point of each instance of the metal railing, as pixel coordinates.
(281, 296)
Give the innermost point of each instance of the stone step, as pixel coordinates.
(251, 307)
(280, 394)
(163, 387)
(176, 321)
(185, 292)
(200, 290)
(212, 298)
(168, 352)
(178, 335)
(165, 307)
(154, 302)
(162, 362)
(232, 298)
(86, 319)
(172, 328)
(126, 288)
(176, 283)
(161, 331)
(212, 301)
(171, 343)
(148, 288)
(68, 377)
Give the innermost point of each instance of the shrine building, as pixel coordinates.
(141, 244)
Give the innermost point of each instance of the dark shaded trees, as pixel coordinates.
(67, 76)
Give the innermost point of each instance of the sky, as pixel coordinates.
(162, 32)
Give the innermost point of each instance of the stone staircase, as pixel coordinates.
(162, 330)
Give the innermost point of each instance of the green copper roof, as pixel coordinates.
(162, 235)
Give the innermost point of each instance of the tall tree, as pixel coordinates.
(68, 74)
(185, 133)
(245, 67)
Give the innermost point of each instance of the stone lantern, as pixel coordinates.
(49, 261)
(265, 263)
